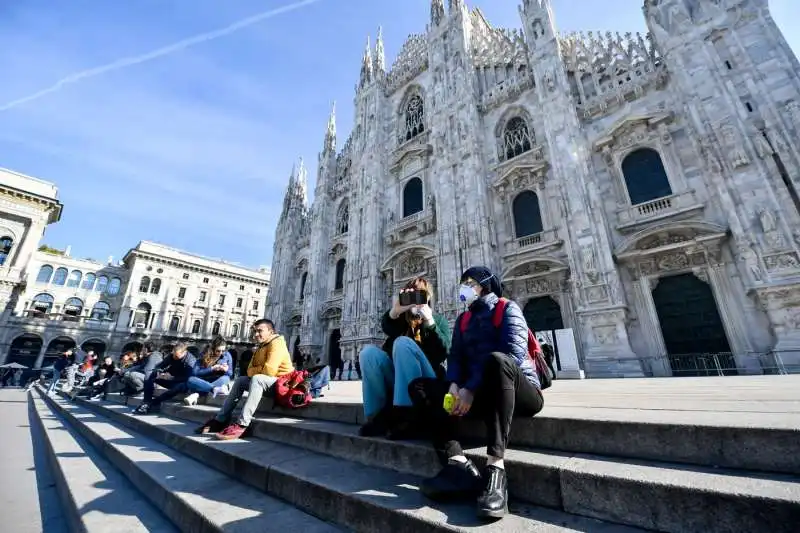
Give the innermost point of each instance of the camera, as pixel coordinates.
(413, 297)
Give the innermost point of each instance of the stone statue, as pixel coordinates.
(589, 260)
(750, 260)
(768, 222)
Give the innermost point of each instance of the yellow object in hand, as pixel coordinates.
(449, 403)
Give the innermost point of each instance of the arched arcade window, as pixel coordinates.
(215, 328)
(174, 323)
(60, 277)
(144, 285)
(156, 286)
(73, 308)
(74, 280)
(343, 219)
(517, 139)
(102, 284)
(88, 281)
(6, 243)
(196, 327)
(645, 176)
(42, 304)
(45, 273)
(527, 215)
(339, 283)
(114, 286)
(412, 197)
(235, 330)
(414, 117)
(101, 311)
(141, 317)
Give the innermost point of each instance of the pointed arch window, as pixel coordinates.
(44, 275)
(343, 219)
(215, 328)
(101, 311)
(527, 215)
(412, 197)
(88, 281)
(6, 243)
(339, 281)
(74, 279)
(114, 286)
(645, 176)
(196, 327)
(102, 284)
(156, 286)
(144, 285)
(174, 324)
(303, 280)
(60, 277)
(517, 139)
(414, 117)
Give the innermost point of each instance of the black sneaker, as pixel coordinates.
(143, 409)
(456, 481)
(493, 501)
(378, 425)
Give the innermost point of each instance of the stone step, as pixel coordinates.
(95, 496)
(634, 492)
(365, 498)
(194, 496)
(741, 440)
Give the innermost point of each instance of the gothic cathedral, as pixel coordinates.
(640, 190)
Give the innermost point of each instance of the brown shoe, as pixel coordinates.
(212, 426)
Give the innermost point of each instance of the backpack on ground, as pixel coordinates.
(534, 350)
(293, 390)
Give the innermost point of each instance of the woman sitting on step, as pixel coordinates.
(490, 376)
(212, 372)
(416, 347)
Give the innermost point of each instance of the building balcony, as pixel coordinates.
(68, 321)
(336, 294)
(632, 218)
(411, 227)
(533, 243)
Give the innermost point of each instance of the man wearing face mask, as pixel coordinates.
(416, 346)
(489, 375)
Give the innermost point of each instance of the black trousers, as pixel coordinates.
(504, 393)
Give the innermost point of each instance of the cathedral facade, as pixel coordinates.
(641, 190)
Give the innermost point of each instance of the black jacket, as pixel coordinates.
(179, 369)
(435, 338)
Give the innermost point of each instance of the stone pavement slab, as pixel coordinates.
(28, 494)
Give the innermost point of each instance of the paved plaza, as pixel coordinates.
(751, 401)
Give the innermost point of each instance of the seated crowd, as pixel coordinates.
(419, 384)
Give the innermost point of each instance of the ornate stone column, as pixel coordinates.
(650, 327)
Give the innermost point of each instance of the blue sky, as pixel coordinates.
(194, 148)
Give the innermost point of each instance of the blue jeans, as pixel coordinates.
(201, 386)
(319, 381)
(54, 376)
(381, 374)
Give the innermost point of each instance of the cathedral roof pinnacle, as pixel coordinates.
(380, 54)
(437, 11)
(330, 133)
(366, 66)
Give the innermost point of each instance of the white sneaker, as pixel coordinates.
(191, 399)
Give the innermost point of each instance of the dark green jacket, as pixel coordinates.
(435, 338)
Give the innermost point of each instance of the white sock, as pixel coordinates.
(457, 459)
(495, 462)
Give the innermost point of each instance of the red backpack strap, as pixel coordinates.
(463, 321)
(499, 310)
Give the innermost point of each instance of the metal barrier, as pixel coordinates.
(698, 365)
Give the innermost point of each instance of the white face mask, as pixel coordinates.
(467, 294)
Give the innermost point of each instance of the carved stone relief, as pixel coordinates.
(779, 262)
(411, 265)
(731, 141)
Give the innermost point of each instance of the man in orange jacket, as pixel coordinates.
(271, 360)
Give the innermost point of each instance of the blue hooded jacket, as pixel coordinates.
(210, 375)
(471, 350)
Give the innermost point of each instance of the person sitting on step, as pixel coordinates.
(271, 360)
(416, 346)
(212, 372)
(134, 378)
(172, 374)
(491, 376)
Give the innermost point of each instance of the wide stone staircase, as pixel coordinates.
(309, 470)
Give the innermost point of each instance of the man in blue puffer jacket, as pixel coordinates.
(490, 374)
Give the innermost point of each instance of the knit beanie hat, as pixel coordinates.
(485, 278)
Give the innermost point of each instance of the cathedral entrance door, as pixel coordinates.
(543, 314)
(692, 328)
(335, 353)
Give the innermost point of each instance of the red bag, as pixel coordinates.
(293, 390)
(534, 349)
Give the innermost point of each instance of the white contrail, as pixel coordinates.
(166, 50)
